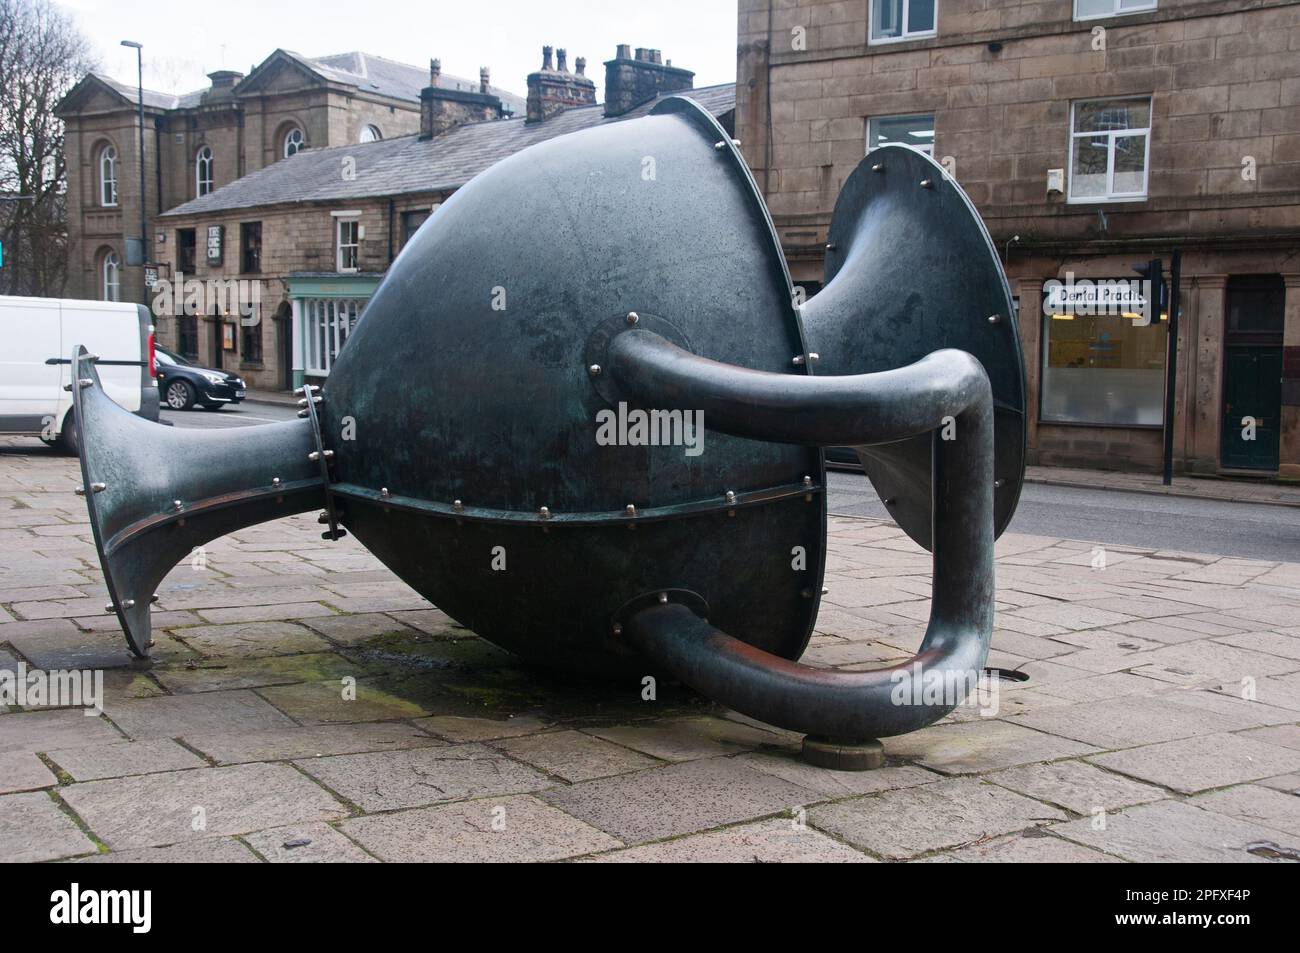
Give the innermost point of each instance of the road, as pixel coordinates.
(1248, 530)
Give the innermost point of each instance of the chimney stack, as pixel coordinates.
(484, 79)
(442, 110)
(580, 65)
(633, 80)
(553, 88)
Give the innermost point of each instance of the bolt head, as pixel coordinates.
(633, 317)
(594, 370)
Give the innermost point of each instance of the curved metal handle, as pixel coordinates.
(946, 393)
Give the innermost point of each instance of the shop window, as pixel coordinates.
(1093, 9)
(1103, 369)
(327, 323)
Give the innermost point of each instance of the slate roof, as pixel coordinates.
(409, 164)
(398, 80)
(152, 98)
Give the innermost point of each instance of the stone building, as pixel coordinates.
(199, 142)
(313, 234)
(1093, 135)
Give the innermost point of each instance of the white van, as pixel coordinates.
(37, 336)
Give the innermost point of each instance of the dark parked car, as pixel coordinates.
(182, 384)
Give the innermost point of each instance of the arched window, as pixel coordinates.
(203, 172)
(112, 277)
(108, 176)
(294, 142)
(371, 134)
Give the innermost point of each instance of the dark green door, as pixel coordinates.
(1252, 395)
(1252, 364)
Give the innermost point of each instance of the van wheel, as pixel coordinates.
(66, 441)
(179, 395)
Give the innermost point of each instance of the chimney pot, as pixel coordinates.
(484, 79)
(624, 52)
(435, 70)
(581, 65)
(562, 60)
(546, 58)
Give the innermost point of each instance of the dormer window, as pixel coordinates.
(203, 172)
(370, 134)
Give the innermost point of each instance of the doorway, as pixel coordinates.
(1252, 362)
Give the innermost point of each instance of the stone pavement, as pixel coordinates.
(305, 705)
(1237, 490)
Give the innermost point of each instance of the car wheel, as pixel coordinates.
(179, 396)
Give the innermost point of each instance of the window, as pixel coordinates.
(186, 248)
(112, 273)
(411, 222)
(250, 248)
(187, 334)
(203, 172)
(915, 131)
(349, 244)
(1092, 9)
(108, 176)
(294, 142)
(1109, 147)
(250, 339)
(894, 20)
(1103, 369)
(370, 134)
(327, 322)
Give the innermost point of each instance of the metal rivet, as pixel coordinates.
(997, 484)
(814, 356)
(109, 607)
(544, 513)
(85, 382)
(618, 629)
(457, 505)
(275, 482)
(98, 487)
(731, 496)
(383, 491)
(153, 598)
(80, 491)
(302, 402)
(797, 360)
(720, 144)
(631, 510)
(313, 456)
(889, 502)
(329, 454)
(825, 591)
(303, 413)
(927, 183)
(807, 481)
(736, 143)
(878, 167)
(663, 598)
(633, 317)
(994, 318)
(150, 644)
(177, 505)
(594, 370)
(830, 246)
(128, 604)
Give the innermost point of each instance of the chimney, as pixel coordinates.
(442, 110)
(633, 80)
(223, 84)
(580, 65)
(484, 79)
(554, 89)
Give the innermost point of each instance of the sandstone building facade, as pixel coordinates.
(1093, 135)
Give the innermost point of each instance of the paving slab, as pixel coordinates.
(387, 780)
(1030, 847)
(574, 756)
(124, 758)
(1131, 720)
(23, 771)
(160, 809)
(1206, 761)
(205, 850)
(1076, 786)
(228, 674)
(325, 703)
(461, 728)
(487, 830)
(307, 844)
(252, 639)
(776, 840)
(313, 741)
(1256, 805)
(33, 828)
(952, 813)
(974, 747)
(835, 784)
(686, 739)
(679, 799)
(174, 716)
(1176, 831)
(57, 728)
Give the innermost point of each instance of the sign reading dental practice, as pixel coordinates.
(1092, 297)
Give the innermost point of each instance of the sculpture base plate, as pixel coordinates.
(839, 754)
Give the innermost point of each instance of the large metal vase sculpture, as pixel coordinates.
(568, 287)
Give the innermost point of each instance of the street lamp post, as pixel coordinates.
(144, 224)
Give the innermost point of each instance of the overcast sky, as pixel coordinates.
(184, 41)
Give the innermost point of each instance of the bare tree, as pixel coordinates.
(42, 55)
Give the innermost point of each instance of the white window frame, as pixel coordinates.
(1111, 195)
(870, 119)
(906, 34)
(372, 132)
(111, 277)
(203, 175)
(108, 176)
(298, 145)
(340, 223)
(327, 324)
(1115, 11)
